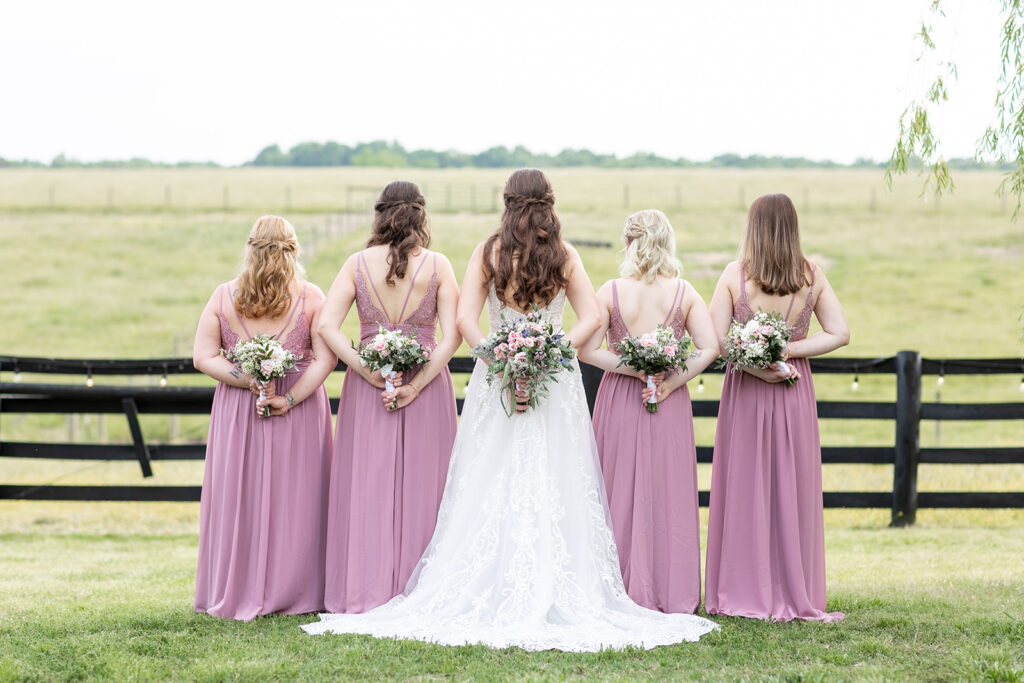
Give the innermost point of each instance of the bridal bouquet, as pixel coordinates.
(525, 351)
(264, 358)
(654, 352)
(758, 342)
(392, 352)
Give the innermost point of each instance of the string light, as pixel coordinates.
(941, 379)
(163, 378)
(1021, 389)
(700, 386)
(856, 382)
(17, 374)
(88, 377)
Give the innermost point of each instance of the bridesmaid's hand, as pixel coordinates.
(400, 397)
(278, 406)
(774, 375)
(658, 378)
(269, 391)
(376, 379)
(664, 389)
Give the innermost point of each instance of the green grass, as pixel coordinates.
(921, 604)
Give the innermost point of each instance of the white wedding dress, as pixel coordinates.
(523, 554)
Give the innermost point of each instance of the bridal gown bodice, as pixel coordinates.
(523, 554)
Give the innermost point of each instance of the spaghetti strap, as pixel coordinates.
(412, 283)
(674, 306)
(792, 299)
(743, 285)
(383, 310)
(295, 307)
(221, 304)
(615, 296)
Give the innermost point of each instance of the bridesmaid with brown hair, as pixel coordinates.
(263, 512)
(390, 462)
(649, 460)
(766, 539)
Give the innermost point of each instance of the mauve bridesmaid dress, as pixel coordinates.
(766, 538)
(389, 468)
(649, 463)
(263, 512)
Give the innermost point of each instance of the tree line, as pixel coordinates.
(381, 153)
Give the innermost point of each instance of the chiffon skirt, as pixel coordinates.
(766, 540)
(649, 463)
(263, 511)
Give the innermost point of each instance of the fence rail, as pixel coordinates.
(905, 455)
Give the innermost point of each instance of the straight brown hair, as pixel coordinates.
(530, 253)
(770, 254)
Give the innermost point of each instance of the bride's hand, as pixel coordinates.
(522, 397)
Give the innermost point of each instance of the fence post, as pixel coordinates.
(908, 443)
(591, 376)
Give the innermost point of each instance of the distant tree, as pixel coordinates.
(1002, 141)
(271, 156)
(379, 153)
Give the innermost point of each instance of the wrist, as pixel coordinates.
(290, 400)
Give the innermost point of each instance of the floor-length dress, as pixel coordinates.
(388, 468)
(649, 463)
(523, 553)
(766, 538)
(263, 510)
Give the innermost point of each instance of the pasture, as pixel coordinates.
(103, 263)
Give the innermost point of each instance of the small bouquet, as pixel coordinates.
(264, 358)
(654, 352)
(525, 351)
(392, 352)
(759, 342)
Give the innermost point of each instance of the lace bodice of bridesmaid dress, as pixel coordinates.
(741, 309)
(617, 326)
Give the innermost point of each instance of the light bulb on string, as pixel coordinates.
(856, 383)
(17, 375)
(163, 380)
(1021, 388)
(88, 379)
(700, 386)
(940, 380)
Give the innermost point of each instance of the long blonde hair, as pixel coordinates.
(271, 263)
(770, 254)
(650, 247)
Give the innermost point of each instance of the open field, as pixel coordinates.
(121, 262)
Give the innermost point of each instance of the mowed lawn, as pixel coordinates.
(122, 261)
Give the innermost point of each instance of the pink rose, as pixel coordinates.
(530, 341)
(513, 344)
(671, 349)
(646, 342)
(380, 346)
(520, 357)
(501, 351)
(267, 366)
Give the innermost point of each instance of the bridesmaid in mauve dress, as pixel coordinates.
(389, 464)
(766, 539)
(649, 460)
(262, 517)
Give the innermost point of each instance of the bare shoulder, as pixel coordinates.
(604, 292)
(314, 293)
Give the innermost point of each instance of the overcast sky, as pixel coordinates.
(220, 80)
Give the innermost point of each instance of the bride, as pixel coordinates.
(523, 554)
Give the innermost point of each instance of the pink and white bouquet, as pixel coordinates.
(264, 358)
(654, 352)
(758, 342)
(525, 352)
(392, 352)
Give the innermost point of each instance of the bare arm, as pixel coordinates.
(340, 298)
(835, 332)
(471, 300)
(581, 297)
(206, 355)
(447, 307)
(593, 351)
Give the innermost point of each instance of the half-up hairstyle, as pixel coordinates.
(271, 263)
(400, 222)
(530, 254)
(650, 247)
(770, 254)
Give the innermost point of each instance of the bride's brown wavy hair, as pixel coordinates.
(400, 222)
(271, 263)
(530, 254)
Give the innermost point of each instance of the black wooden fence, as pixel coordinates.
(905, 454)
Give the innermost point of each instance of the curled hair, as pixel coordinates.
(770, 254)
(271, 263)
(650, 247)
(400, 222)
(530, 254)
